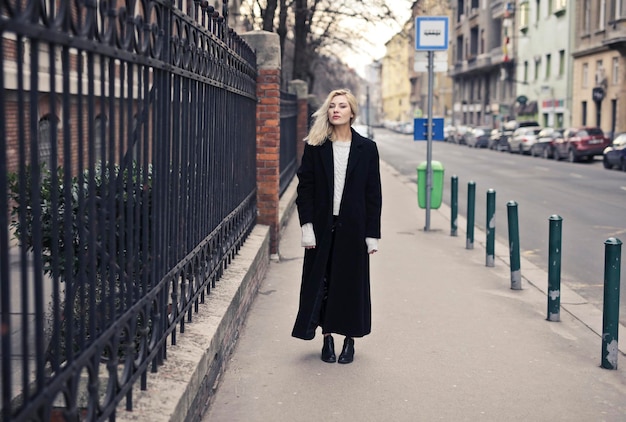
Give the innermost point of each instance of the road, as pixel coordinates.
(590, 199)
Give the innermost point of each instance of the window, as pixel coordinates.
(585, 75)
(100, 128)
(559, 5)
(620, 9)
(561, 62)
(538, 11)
(615, 71)
(600, 76)
(586, 16)
(550, 6)
(548, 65)
(523, 16)
(526, 71)
(46, 127)
(537, 63)
(482, 41)
(584, 113)
(601, 17)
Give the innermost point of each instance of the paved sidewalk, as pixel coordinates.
(450, 340)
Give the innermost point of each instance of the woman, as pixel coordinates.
(339, 205)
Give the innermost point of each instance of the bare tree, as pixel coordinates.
(321, 28)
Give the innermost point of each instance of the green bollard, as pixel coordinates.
(471, 205)
(554, 268)
(514, 259)
(491, 227)
(454, 204)
(610, 316)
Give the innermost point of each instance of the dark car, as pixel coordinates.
(478, 137)
(545, 140)
(615, 154)
(580, 143)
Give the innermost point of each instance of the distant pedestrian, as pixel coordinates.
(339, 205)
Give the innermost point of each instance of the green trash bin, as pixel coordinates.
(436, 194)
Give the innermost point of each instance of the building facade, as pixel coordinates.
(544, 61)
(483, 46)
(599, 51)
(396, 86)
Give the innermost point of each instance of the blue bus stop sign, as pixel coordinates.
(420, 129)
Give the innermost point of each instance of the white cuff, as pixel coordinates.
(308, 235)
(372, 244)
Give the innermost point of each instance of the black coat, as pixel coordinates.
(348, 307)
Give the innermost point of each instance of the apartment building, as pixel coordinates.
(544, 62)
(483, 48)
(396, 86)
(598, 83)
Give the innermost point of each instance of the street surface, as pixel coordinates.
(590, 199)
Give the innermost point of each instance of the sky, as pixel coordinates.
(376, 36)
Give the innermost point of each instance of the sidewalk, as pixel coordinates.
(450, 340)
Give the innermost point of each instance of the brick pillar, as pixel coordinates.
(301, 89)
(267, 48)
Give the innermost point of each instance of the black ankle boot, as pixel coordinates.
(347, 353)
(328, 350)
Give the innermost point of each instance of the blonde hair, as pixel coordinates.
(321, 129)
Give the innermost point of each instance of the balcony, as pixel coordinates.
(615, 37)
(497, 9)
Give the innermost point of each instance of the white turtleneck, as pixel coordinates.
(341, 152)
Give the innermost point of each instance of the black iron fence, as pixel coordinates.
(128, 159)
(288, 141)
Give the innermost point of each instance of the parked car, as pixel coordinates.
(523, 139)
(500, 140)
(615, 154)
(580, 143)
(478, 137)
(545, 139)
(461, 132)
(406, 128)
(449, 132)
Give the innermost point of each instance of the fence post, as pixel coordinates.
(514, 246)
(471, 205)
(491, 227)
(554, 268)
(454, 204)
(610, 315)
(267, 48)
(301, 89)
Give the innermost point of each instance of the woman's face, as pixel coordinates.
(339, 111)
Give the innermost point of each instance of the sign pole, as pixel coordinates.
(431, 33)
(429, 139)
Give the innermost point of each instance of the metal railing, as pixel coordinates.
(128, 156)
(288, 138)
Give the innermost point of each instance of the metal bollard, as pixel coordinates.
(471, 205)
(491, 227)
(610, 315)
(514, 247)
(554, 268)
(454, 204)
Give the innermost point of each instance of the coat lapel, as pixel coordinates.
(355, 152)
(327, 160)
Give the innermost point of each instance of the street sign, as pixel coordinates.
(440, 61)
(420, 129)
(431, 33)
(597, 94)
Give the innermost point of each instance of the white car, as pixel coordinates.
(523, 139)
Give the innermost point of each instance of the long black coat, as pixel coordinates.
(348, 306)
